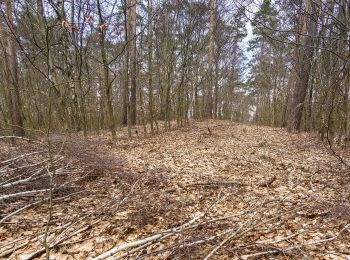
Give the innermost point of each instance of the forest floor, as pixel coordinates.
(236, 191)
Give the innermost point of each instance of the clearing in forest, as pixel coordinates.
(233, 191)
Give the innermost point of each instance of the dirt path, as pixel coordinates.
(289, 194)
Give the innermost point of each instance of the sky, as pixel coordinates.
(244, 46)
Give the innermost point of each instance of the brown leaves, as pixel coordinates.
(89, 18)
(68, 27)
(65, 25)
(73, 28)
(272, 188)
(103, 27)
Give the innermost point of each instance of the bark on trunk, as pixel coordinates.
(133, 68)
(303, 70)
(150, 57)
(210, 61)
(126, 67)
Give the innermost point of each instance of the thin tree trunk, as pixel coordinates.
(106, 83)
(210, 61)
(125, 91)
(169, 68)
(133, 68)
(141, 100)
(216, 88)
(150, 57)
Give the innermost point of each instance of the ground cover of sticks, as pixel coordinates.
(213, 190)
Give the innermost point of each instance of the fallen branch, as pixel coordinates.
(236, 233)
(281, 239)
(189, 244)
(18, 211)
(41, 251)
(14, 248)
(133, 251)
(15, 137)
(10, 251)
(24, 166)
(20, 157)
(7, 185)
(276, 251)
(185, 229)
(146, 240)
(223, 183)
(24, 193)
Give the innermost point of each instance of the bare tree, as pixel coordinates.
(133, 60)
(8, 45)
(150, 72)
(210, 60)
(106, 81)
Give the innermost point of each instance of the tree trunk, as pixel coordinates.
(216, 87)
(133, 68)
(210, 61)
(303, 70)
(125, 91)
(150, 57)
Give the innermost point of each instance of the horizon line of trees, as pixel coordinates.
(82, 65)
(96, 64)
